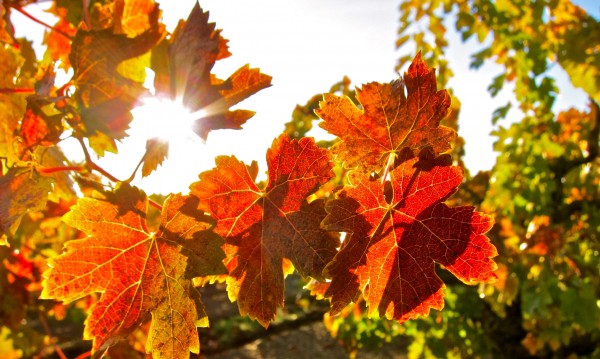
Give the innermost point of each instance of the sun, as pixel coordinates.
(159, 117)
(171, 122)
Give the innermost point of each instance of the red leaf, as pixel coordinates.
(138, 273)
(396, 235)
(195, 48)
(37, 130)
(262, 228)
(390, 119)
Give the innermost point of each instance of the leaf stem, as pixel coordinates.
(47, 170)
(34, 19)
(92, 165)
(86, 14)
(16, 90)
(154, 204)
(137, 167)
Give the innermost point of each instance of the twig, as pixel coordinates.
(44, 323)
(34, 19)
(92, 165)
(84, 355)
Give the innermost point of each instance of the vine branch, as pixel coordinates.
(92, 165)
(36, 20)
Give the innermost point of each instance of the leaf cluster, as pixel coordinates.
(133, 264)
(543, 187)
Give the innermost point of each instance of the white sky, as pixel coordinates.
(306, 46)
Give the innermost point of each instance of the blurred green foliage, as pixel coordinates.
(543, 189)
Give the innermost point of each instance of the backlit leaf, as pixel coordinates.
(261, 228)
(104, 94)
(21, 190)
(58, 43)
(156, 152)
(12, 106)
(6, 28)
(404, 113)
(139, 273)
(397, 234)
(195, 48)
(37, 130)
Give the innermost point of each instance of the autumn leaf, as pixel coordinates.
(261, 228)
(21, 190)
(63, 184)
(139, 273)
(37, 130)
(6, 28)
(402, 114)
(396, 234)
(184, 67)
(12, 106)
(58, 43)
(156, 152)
(104, 94)
(131, 17)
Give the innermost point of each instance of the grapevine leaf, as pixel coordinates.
(12, 106)
(63, 181)
(156, 152)
(396, 234)
(37, 129)
(58, 46)
(263, 228)
(139, 273)
(6, 28)
(21, 190)
(132, 17)
(389, 120)
(104, 94)
(187, 65)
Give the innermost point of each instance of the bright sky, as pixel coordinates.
(306, 46)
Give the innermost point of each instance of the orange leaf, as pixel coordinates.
(156, 152)
(58, 46)
(104, 95)
(131, 17)
(6, 28)
(262, 228)
(397, 233)
(139, 273)
(389, 120)
(37, 130)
